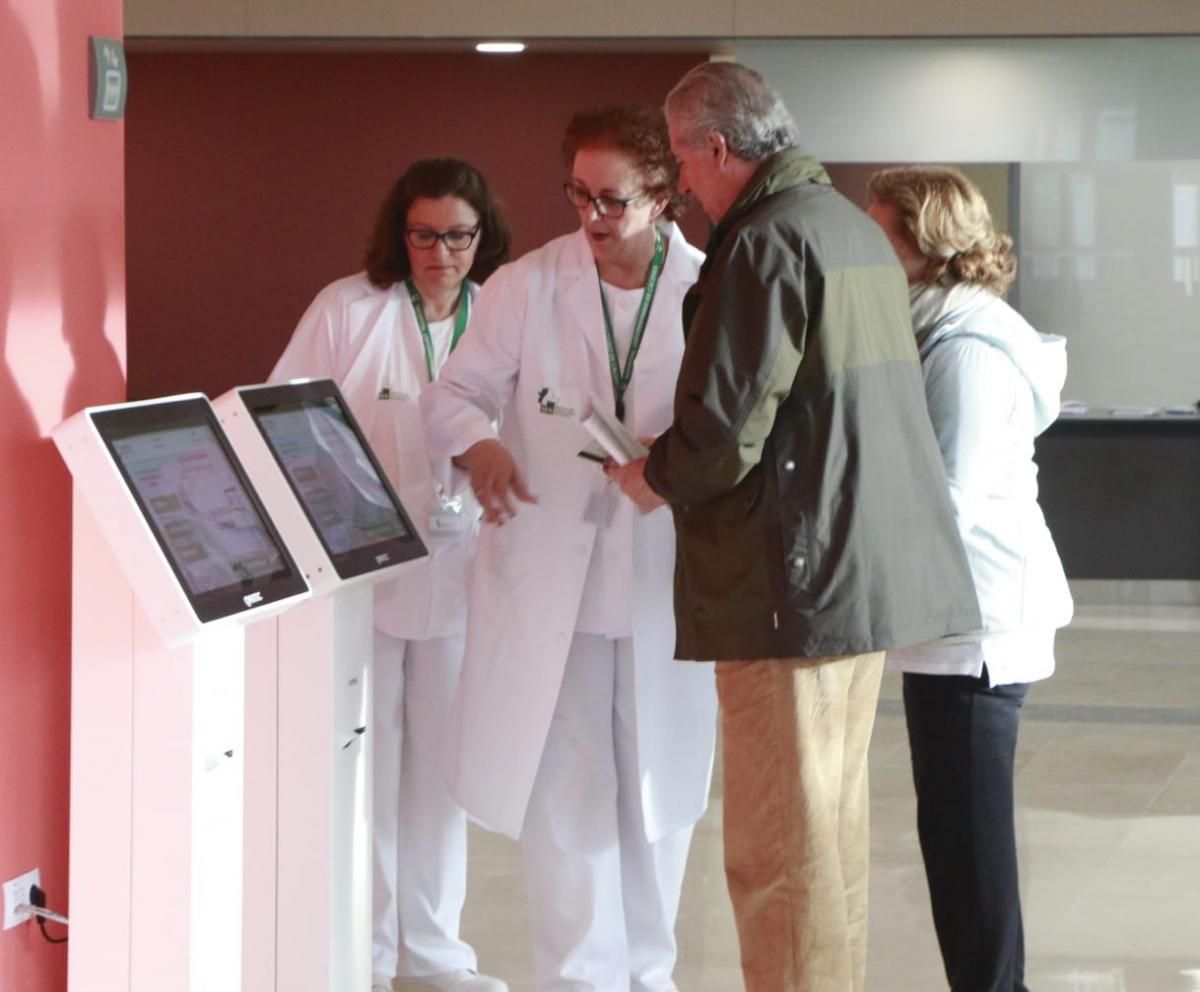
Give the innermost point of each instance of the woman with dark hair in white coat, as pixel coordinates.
(384, 335)
(575, 729)
(992, 384)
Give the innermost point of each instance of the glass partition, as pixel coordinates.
(1088, 150)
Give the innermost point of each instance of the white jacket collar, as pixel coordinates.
(935, 304)
(578, 260)
(943, 314)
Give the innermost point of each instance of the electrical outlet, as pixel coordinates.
(16, 893)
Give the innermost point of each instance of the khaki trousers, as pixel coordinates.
(796, 733)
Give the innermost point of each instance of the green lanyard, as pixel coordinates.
(621, 379)
(460, 322)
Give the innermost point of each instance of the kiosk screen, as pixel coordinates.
(335, 475)
(199, 506)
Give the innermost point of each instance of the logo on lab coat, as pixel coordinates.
(549, 403)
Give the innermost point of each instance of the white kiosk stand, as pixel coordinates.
(173, 553)
(308, 921)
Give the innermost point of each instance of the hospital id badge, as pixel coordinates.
(450, 519)
(602, 506)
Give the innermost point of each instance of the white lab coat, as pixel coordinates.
(365, 339)
(537, 338)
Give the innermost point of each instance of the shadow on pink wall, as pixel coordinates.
(34, 588)
(61, 337)
(97, 374)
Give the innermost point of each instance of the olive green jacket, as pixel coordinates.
(811, 507)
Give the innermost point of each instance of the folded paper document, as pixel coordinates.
(611, 439)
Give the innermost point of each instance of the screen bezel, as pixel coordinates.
(262, 400)
(116, 424)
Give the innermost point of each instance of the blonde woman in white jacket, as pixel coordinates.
(992, 384)
(383, 335)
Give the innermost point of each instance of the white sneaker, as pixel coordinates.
(461, 980)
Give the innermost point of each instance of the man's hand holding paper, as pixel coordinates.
(631, 477)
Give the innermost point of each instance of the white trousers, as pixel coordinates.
(420, 832)
(602, 900)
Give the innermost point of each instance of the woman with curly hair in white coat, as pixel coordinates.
(574, 729)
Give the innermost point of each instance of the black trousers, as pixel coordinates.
(963, 737)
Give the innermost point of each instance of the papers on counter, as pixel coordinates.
(1075, 408)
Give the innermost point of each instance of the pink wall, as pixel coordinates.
(253, 179)
(62, 342)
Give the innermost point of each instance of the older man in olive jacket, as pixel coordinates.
(812, 514)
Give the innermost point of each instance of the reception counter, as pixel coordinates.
(1121, 495)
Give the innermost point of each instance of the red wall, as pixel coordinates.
(62, 345)
(253, 179)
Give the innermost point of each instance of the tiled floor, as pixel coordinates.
(1108, 791)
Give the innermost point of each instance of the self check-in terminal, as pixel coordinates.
(308, 880)
(174, 553)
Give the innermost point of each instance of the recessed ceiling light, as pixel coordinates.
(500, 47)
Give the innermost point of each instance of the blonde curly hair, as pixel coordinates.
(948, 220)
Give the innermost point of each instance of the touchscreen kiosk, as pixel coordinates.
(164, 470)
(173, 554)
(307, 699)
(335, 481)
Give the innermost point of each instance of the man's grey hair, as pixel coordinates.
(736, 102)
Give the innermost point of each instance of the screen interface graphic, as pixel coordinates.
(332, 475)
(203, 514)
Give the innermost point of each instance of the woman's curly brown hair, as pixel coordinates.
(433, 178)
(948, 220)
(639, 132)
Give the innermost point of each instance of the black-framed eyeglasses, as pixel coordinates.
(456, 239)
(606, 206)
